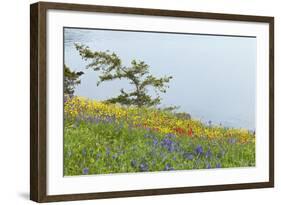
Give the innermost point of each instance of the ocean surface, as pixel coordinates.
(214, 77)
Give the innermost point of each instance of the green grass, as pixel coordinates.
(112, 147)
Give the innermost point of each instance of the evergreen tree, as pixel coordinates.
(71, 80)
(110, 67)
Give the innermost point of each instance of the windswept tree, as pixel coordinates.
(71, 80)
(110, 67)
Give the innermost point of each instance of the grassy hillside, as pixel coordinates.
(104, 138)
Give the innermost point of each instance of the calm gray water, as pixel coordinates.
(214, 77)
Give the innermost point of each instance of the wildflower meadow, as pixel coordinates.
(102, 138)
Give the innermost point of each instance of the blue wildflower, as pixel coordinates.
(85, 170)
(143, 167)
(168, 167)
(114, 156)
(134, 163)
(107, 151)
(109, 119)
(168, 144)
(218, 165)
(188, 156)
(208, 154)
(155, 142)
(171, 135)
(92, 120)
(199, 150)
(172, 148)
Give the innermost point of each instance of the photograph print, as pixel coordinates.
(142, 101)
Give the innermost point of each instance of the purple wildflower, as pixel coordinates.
(114, 156)
(134, 163)
(171, 135)
(168, 167)
(85, 171)
(208, 154)
(143, 167)
(218, 165)
(107, 151)
(168, 144)
(155, 142)
(199, 150)
(188, 156)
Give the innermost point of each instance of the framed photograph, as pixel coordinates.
(134, 102)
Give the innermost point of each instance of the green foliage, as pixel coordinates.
(183, 115)
(111, 68)
(71, 80)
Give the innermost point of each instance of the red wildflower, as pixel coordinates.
(179, 130)
(190, 132)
